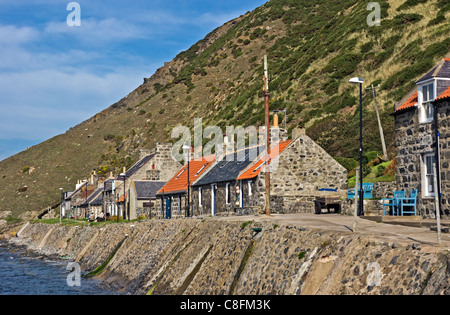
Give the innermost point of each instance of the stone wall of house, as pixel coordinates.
(164, 161)
(383, 189)
(223, 208)
(444, 149)
(412, 141)
(212, 257)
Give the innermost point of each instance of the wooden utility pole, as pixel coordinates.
(383, 144)
(267, 157)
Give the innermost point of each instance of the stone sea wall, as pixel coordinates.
(210, 257)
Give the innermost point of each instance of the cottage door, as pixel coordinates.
(168, 208)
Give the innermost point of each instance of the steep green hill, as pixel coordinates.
(314, 47)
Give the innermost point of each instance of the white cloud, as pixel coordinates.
(13, 35)
(41, 104)
(93, 31)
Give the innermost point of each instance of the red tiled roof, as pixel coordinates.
(444, 95)
(410, 103)
(122, 199)
(255, 169)
(180, 181)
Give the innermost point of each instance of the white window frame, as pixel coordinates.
(426, 108)
(249, 183)
(200, 196)
(241, 195)
(428, 175)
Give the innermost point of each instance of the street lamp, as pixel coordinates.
(360, 81)
(188, 150)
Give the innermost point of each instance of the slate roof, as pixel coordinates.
(92, 198)
(137, 166)
(147, 189)
(255, 169)
(229, 168)
(179, 183)
(98, 201)
(442, 70)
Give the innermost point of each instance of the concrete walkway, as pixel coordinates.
(387, 232)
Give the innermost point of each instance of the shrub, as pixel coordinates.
(380, 170)
(343, 65)
(410, 3)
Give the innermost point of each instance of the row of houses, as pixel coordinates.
(157, 186)
(130, 194)
(233, 184)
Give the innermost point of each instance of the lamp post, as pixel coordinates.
(360, 81)
(188, 150)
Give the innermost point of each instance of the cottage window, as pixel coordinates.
(427, 110)
(249, 183)
(181, 173)
(228, 194)
(428, 161)
(200, 196)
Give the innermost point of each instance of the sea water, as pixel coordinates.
(21, 274)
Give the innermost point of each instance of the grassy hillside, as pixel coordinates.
(314, 47)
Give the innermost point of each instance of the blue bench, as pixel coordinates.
(394, 202)
(367, 189)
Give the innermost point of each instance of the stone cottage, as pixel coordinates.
(93, 204)
(173, 195)
(216, 191)
(73, 201)
(422, 115)
(143, 201)
(157, 165)
(299, 169)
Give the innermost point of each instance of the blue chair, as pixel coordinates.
(410, 202)
(394, 202)
(367, 189)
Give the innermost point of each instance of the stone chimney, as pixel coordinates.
(297, 132)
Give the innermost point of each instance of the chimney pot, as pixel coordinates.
(275, 119)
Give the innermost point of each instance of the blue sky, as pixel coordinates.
(53, 76)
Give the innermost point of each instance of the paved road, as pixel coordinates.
(344, 224)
